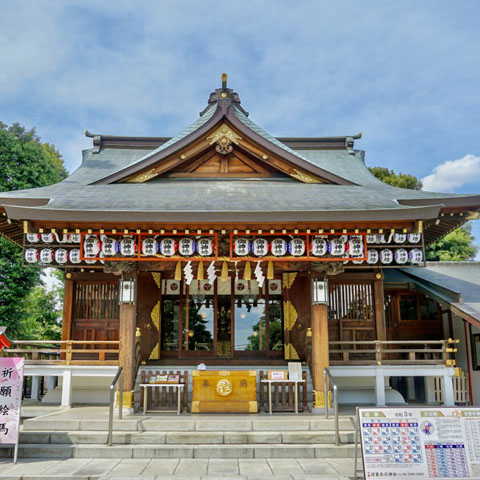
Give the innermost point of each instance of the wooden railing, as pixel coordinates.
(392, 352)
(65, 352)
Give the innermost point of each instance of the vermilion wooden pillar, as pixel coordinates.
(320, 354)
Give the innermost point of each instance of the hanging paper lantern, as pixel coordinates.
(31, 255)
(47, 237)
(357, 262)
(149, 247)
(296, 247)
(415, 255)
(33, 237)
(414, 237)
(186, 247)
(399, 237)
(381, 239)
(205, 247)
(64, 238)
(386, 256)
(241, 247)
(371, 239)
(61, 256)
(319, 246)
(355, 246)
(74, 256)
(75, 238)
(372, 257)
(91, 246)
(401, 256)
(278, 247)
(168, 247)
(90, 261)
(260, 247)
(109, 246)
(128, 247)
(336, 247)
(46, 255)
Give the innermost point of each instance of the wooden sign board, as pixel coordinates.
(420, 442)
(277, 374)
(224, 391)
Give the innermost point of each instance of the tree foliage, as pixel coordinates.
(25, 162)
(456, 246)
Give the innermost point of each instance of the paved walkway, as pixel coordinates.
(175, 469)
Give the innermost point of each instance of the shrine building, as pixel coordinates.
(229, 247)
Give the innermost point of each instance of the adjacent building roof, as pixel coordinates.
(454, 284)
(98, 190)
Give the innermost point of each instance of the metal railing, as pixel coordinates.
(119, 375)
(328, 376)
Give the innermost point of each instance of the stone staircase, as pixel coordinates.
(82, 433)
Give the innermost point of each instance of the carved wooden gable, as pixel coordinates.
(224, 152)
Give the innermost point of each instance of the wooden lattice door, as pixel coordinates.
(96, 312)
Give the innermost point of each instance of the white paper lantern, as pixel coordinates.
(31, 255)
(415, 256)
(381, 239)
(128, 247)
(414, 237)
(46, 255)
(47, 237)
(74, 256)
(63, 238)
(109, 246)
(90, 261)
(91, 246)
(149, 246)
(355, 246)
(241, 247)
(296, 247)
(278, 247)
(205, 247)
(371, 239)
(372, 257)
(33, 237)
(260, 247)
(75, 238)
(399, 238)
(386, 256)
(401, 256)
(168, 247)
(319, 246)
(61, 256)
(186, 247)
(336, 247)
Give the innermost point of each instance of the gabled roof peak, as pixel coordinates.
(224, 97)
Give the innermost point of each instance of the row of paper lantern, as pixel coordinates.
(296, 247)
(53, 238)
(400, 256)
(398, 238)
(110, 247)
(48, 255)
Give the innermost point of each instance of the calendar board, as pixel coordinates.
(420, 443)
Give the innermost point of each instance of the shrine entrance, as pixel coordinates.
(228, 319)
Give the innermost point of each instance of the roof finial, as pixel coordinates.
(224, 81)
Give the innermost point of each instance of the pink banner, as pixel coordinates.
(11, 382)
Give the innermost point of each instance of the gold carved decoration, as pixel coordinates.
(143, 177)
(472, 215)
(224, 387)
(290, 315)
(288, 279)
(155, 315)
(224, 136)
(290, 352)
(156, 278)
(155, 355)
(303, 177)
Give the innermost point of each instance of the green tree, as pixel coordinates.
(402, 180)
(25, 162)
(456, 246)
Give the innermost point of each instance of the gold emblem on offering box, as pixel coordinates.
(224, 387)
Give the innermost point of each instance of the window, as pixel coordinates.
(476, 351)
(428, 309)
(408, 307)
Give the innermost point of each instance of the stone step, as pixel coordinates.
(184, 438)
(182, 451)
(188, 423)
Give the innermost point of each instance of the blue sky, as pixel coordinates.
(406, 74)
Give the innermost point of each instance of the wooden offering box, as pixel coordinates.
(224, 391)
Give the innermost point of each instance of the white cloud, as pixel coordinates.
(453, 174)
